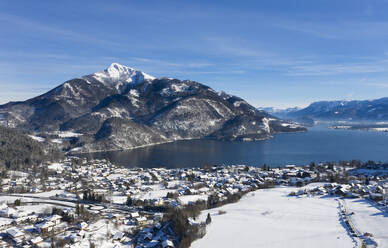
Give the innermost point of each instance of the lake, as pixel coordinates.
(318, 144)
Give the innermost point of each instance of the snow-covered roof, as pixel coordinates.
(14, 232)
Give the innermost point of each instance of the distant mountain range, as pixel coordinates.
(280, 112)
(352, 111)
(120, 108)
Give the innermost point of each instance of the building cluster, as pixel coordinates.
(81, 203)
(367, 182)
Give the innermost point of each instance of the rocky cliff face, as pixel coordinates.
(120, 108)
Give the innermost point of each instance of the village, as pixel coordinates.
(92, 203)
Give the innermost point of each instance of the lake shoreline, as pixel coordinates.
(317, 144)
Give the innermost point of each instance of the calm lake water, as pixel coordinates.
(318, 144)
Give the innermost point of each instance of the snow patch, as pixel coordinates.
(55, 167)
(238, 103)
(67, 134)
(179, 88)
(37, 138)
(266, 125)
(134, 93)
(58, 141)
(188, 199)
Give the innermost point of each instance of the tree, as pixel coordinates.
(82, 209)
(77, 209)
(17, 202)
(312, 166)
(212, 201)
(318, 176)
(18, 151)
(85, 196)
(129, 201)
(208, 219)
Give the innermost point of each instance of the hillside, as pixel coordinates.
(18, 150)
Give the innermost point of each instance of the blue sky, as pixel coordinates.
(272, 53)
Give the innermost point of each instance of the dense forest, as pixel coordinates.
(18, 151)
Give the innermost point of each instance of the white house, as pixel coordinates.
(8, 212)
(167, 244)
(82, 225)
(56, 219)
(14, 233)
(36, 241)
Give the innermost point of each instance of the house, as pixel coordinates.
(376, 196)
(36, 241)
(73, 238)
(69, 211)
(158, 216)
(114, 216)
(341, 191)
(168, 244)
(118, 236)
(32, 217)
(135, 215)
(82, 225)
(152, 243)
(46, 226)
(15, 234)
(148, 236)
(141, 220)
(56, 219)
(159, 202)
(8, 212)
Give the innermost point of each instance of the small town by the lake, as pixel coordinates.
(193, 124)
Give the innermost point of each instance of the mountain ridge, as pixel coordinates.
(374, 110)
(122, 108)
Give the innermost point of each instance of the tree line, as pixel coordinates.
(18, 150)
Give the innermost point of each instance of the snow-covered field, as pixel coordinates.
(186, 199)
(368, 218)
(270, 218)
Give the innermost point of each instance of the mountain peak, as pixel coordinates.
(119, 76)
(117, 68)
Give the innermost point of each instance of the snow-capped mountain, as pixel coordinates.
(118, 76)
(367, 110)
(281, 113)
(121, 107)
